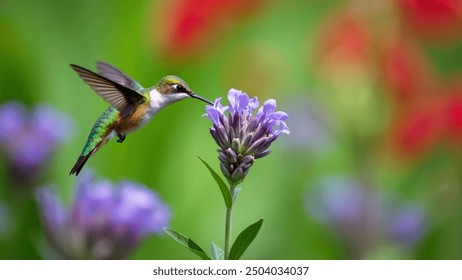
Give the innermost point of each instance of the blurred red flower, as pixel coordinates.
(424, 125)
(345, 40)
(453, 114)
(405, 72)
(418, 129)
(187, 26)
(438, 19)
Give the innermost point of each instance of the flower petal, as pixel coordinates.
(214, 115)
(253, 104)
(269, 106)
(238, 101)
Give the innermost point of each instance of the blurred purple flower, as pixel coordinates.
(337, 200)
(104, 221)
(351, 209)
(243, 136)
(28, 140)
(407, 224)
(362, 216)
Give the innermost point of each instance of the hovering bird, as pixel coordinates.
(132, 105)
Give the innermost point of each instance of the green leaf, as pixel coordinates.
(217, 252)
(224, 189)
(187, 242)
(244, 240)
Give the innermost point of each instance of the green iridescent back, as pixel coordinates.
(100, 129)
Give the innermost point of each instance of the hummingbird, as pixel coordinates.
(132, 105)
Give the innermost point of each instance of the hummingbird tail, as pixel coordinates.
(100, 134)
(79, 164)
(83, 158)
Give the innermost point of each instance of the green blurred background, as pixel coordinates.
(351, 113)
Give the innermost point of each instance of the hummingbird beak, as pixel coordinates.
(194, 95)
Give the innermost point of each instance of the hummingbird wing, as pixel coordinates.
(108, 71)
(122, 98)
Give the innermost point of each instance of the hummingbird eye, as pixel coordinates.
(179, 88)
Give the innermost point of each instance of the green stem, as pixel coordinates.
(229, 213)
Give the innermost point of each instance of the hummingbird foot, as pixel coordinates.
(121, 138)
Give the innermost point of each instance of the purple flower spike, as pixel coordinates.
(243, 136)
(104, 221)
(28, 140)
(338, 200)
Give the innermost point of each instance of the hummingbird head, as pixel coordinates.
(174, 88)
